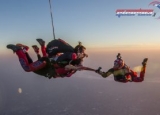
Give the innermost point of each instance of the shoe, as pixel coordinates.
(144, 61)
(36, 48)
(23, 46)
(13, 47)
(41, 41)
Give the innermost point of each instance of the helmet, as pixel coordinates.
(80, 43)
(118, 63)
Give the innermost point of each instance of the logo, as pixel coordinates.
(134, 12)
(49, 50)
(156, 5)
(54, 47)
(141, 12)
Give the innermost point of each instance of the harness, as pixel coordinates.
(61, 64)
(122, 74)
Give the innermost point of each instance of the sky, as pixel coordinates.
(92, 22)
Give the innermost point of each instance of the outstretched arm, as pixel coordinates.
(71, 67)
(105, 74)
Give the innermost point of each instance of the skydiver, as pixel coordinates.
(43, 65)
(66, 69)
(122, 73)
(63, 57)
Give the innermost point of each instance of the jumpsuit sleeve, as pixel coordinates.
(108, 73)
(43, 49)
(135, 78)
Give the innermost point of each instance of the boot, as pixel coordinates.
(23, 46)
(41, 41)
(14, 48)
(36, 49)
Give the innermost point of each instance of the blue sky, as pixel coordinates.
(91, 21)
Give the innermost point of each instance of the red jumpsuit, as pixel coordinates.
(26, 65)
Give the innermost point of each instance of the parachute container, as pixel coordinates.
(58, 46)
